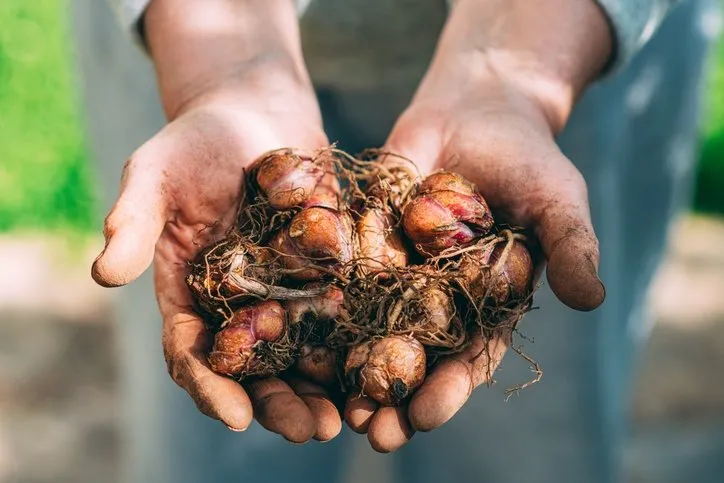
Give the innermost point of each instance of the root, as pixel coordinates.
(439, 301)
(400, 306)
(534, 367)
(271, 358)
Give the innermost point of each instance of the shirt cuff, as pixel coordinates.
(129, 13)
(633, 23)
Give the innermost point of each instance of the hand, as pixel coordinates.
(492, 120)
(184, 180)
(181, 189)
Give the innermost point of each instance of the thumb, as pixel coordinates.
(133, 225)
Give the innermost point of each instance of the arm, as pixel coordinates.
(219, 45)
(568, 43)
(233, 86)
(502, 84)
(548, 49)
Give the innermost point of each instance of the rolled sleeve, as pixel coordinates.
(129, 13)
(632, 22)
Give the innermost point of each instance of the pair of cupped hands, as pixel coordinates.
(187, 178)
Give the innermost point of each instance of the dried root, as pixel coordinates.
(255, 341)
(357, 272)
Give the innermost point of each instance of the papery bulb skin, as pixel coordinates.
(233, 352)
(287, 179)
(446, 212)
(498, 281)
(323, 307)
(389, 369)
(315, 239)
(380, 242)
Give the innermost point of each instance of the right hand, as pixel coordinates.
(178, 192)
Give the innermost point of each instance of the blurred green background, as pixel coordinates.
(45, 173)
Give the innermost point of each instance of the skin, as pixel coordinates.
(233, 85)
(502, 84)
(504, 79)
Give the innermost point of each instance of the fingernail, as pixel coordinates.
(595, 275)
(295, 443)
(236, 430)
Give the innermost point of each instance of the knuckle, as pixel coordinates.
(129, 167)
(578, 183)
(111, 223)
(179, 364)
(197, 389)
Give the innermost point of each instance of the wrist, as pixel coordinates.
(255, 85)
(549, 51)
(531, 82)
(202, 49)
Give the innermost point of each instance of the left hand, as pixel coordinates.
(501, 138)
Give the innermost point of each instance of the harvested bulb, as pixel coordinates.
(389, 369)
(235, 346)
(287, 178)
(447, 211)
(499, 276)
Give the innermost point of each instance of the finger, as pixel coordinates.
(451, 382)
(135, 222)
(358, 412)
(281, 411)
(540, 189)
(186, 343)
(389, 429)
(571, 250)
(324, 412)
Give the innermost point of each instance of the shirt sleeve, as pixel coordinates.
(632, 23)
(129, 13)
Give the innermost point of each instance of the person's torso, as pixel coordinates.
(370, 44)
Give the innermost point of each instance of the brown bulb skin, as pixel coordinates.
(325, 306)
(510, 281)
(315, 236)
(447, 181)
(380, 241)
(287, 179)
(233, 350)
(318, 364)
(447, 212)
(389, 369)
(438, 310)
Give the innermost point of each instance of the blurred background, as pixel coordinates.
(59, 409)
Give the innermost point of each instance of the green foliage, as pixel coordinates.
(45, 177)
(710, 176)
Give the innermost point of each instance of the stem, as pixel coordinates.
(244, 286)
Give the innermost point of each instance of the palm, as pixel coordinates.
(180, 192)
(505, 146)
